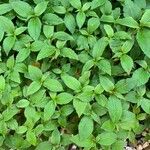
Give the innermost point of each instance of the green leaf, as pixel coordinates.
(140, 76)
(88, 65)
(49, 110)
(33, 87)
(114, 108)
(68, 52)
(106, 84)
(142, 37)
(71, 82)
(126, 63)
(128, 120)
(108, 126)
(63, 36)
(97, 3)
(105, 66)
(80, 18)
(70, 23)
(79, 106)
(75, 3)
(53, 85)
(9, 113)
(20, 30)
(85, 124)
(35, 73)
(46, 145)
(107, 138)
(52, 19)
(118, 145)
(145, 104)
(23, 9)
(128, 21)
(40, 8)
(4, 8)
(87, 143)
(64, 98)
(8, 43)
(22, 103)
(34, 27)
(46, 51)
(59, 9)
(6, 24)
(125, 85)
(109, 30)
(23, 54)
(127, 46)
(131, 9)
(55, 137)
(99, 47)
(145, 21)
(21, 129)
(31, 138)
(48, 31)
(2, 83)
(93, 24)
(31, 115)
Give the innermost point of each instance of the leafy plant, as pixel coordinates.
(73, 72)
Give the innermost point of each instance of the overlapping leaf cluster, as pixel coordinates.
(73, 72)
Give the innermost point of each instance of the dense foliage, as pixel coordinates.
(74, 72)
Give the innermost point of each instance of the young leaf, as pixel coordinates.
(48, 31)
(127, 63)
(75, 3)
(145, 19)
(109, 30)
(85, 124)
(105, 66)
(131, 9)
(2, 83)
(8, 43)
(31, 138)
(34, 27)
(70, 23)
(80, 18)
(99, 47)
(52, 19)
(145, 104)
(79, 106)
(40, 8)
(23, 9)
(46, 51)
(128, 21)
(53, 85)
(114, 108)
(143, 41)
(63, 36)
(107, 138)
(6, 24)
(93, 24)
(33, 87)
(35, 73)
(23, 54)
(106, 84)
(22, 103)
(67, 52)
(4, 8)
(71, 82)
(49, 110)
(63, 98)
(55, 137)
(140, 76)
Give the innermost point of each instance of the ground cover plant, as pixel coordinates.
(74, 72)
